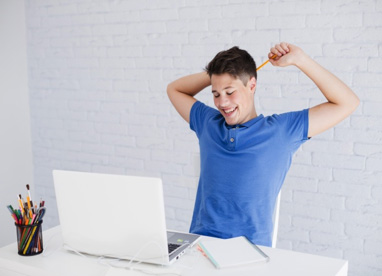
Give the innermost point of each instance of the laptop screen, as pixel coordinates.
(112, 215)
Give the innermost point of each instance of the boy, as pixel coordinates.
(245, 157)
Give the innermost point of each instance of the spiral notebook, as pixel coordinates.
(232, 252)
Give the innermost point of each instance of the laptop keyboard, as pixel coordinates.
(172, 247)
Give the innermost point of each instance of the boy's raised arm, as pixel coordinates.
(341, 99)
(182, 91)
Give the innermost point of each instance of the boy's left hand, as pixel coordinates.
(287, 54)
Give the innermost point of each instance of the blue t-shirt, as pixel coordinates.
(242, 170)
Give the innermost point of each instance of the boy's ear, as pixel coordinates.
(252, 84)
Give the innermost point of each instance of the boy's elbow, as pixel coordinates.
(348, 107)
(355, 102)
(169, 89)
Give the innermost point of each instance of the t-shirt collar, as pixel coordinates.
(248, 123)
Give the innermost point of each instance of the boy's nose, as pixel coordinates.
(223, 101)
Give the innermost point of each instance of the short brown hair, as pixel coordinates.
(236, 62)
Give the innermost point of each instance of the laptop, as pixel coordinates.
(117, 216)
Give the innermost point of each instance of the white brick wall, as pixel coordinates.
(98, 72)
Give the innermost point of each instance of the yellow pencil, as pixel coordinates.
(30, 239)
(29, 207)
(258, 68)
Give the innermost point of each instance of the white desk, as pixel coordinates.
(56, 261)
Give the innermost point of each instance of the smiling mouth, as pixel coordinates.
(229, 111)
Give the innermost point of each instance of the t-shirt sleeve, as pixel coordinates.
(199, 116)
(295, 127)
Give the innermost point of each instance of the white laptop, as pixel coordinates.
(117, 216)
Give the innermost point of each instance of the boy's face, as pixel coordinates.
(233, 99)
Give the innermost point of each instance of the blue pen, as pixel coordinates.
(9, 207)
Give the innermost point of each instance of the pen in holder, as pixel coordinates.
(29, 239)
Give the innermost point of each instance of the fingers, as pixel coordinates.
(279, 50)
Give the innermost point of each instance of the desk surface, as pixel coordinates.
(57, 261)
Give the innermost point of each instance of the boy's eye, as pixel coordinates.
(216, 95)
(230, 93)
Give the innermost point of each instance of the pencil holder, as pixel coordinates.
(29, 239)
